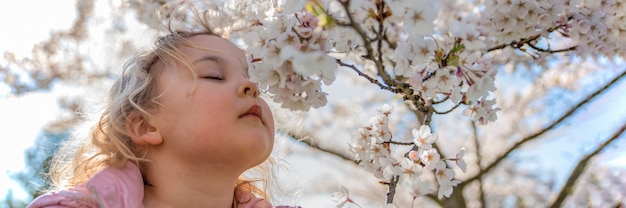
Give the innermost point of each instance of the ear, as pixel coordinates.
(141, 132)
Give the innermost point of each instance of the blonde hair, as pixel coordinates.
(133, 96)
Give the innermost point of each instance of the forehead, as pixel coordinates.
(202, 45)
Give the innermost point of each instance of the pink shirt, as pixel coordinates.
(114, 188)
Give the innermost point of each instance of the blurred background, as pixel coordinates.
(61, 55)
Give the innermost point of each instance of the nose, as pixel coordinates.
(248, 88)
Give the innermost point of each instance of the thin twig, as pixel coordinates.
(400, 143)
(392, 189)
(392, 45)
(309, 142)
(441, 101)
(378, 62)
(360, 73)
(524, 41)
(352, 24)
(533, 46)
(448, 111)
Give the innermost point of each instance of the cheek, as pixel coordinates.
(271, 129)
(270, 116)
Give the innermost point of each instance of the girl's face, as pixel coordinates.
(219, 120)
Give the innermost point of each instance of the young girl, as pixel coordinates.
(182, 124)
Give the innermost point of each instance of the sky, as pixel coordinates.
(21, 121)
(21, 118)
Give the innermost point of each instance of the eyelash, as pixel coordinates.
(214, 77)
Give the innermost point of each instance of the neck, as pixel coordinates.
(182, 187)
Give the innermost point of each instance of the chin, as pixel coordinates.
(263, 157)
(258, 148)
(258, 154)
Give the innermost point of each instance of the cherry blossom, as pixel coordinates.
(410, 170)
(419, 188)
(371, 146)
(291, 6)
(342, 197)
(459, 159)
(423, 137)
(413, 155)
(427, 52)
(430, 158)
(446, 188)
(433, 56)
(420, 16)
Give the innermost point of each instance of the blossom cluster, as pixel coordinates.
(442, 60)
(590, 25)
(372, 148)
(294, 51)
(441, 50)
(440, 47)
(512, 20)
(288, 55)
(598, 26)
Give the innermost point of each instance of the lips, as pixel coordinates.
(254, 111)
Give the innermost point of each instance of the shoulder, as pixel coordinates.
(111, 187)
(118, 187)
(77, 197)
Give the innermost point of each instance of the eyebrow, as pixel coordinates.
(215, 59)
(219, 60)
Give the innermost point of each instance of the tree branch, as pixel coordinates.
(533, 46)
(392, 189)
(556, 122)
(370, 53)
(449, 110)
(310, 143)
(360, 73)
(357, 28)
(526, 41)
(435, 102)
(481, 194)
(580, 168)
(399, 143)
(379, 61)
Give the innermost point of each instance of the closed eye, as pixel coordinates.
(213, 77)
